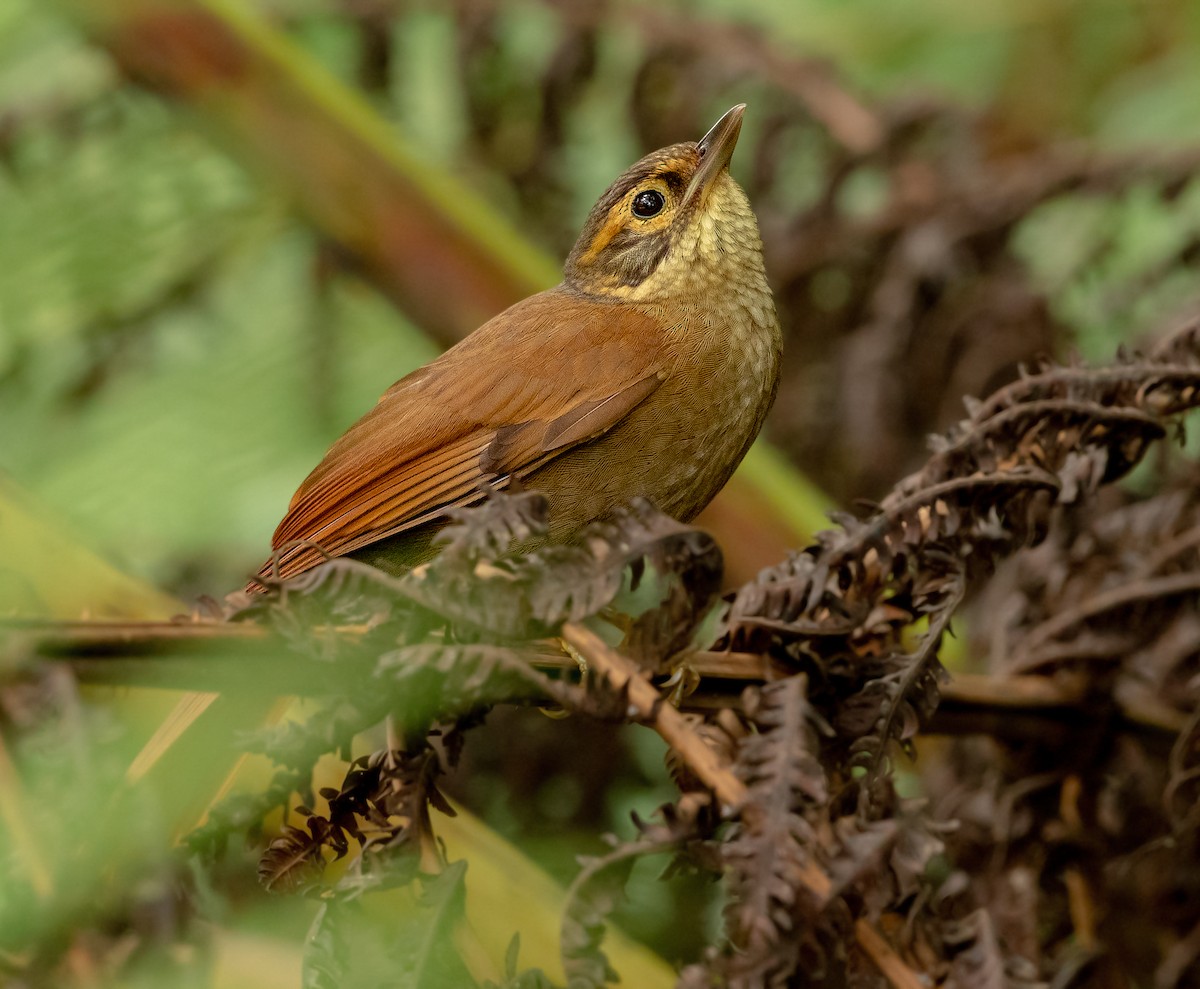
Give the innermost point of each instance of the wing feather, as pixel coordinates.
(565, 369)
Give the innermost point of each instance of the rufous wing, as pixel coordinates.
(554, 371)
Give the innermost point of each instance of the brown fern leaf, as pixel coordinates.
(774, 846)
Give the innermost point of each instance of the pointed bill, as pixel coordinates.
(716, 150)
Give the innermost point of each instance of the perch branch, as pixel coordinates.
(676, 732)
(890, 964)
(662, 717)
(213, 656)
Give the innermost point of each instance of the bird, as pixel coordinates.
(647, 372)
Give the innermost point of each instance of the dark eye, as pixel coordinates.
(648, 203)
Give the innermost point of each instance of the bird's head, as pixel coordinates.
(670, 223)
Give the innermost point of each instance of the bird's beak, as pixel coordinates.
(716, 149)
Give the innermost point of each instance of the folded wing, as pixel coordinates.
(553, 372)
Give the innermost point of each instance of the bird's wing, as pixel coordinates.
(552, 372)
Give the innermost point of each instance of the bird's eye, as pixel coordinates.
(648, 203)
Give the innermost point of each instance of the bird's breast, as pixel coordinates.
(723, 385)
(680, 446)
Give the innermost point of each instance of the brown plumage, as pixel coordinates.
(648, 372)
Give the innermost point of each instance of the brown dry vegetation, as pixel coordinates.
(1048, 832)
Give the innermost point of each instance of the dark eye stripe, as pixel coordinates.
(674, 181)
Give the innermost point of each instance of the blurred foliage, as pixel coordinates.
(177, 349)
(787, 792)
(161, 311)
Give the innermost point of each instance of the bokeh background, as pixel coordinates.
(944, 190)
(225, 229)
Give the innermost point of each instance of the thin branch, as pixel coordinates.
(191, 656)
(674, 729)
(885, 958)
(651, 706)
(1135, 592)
